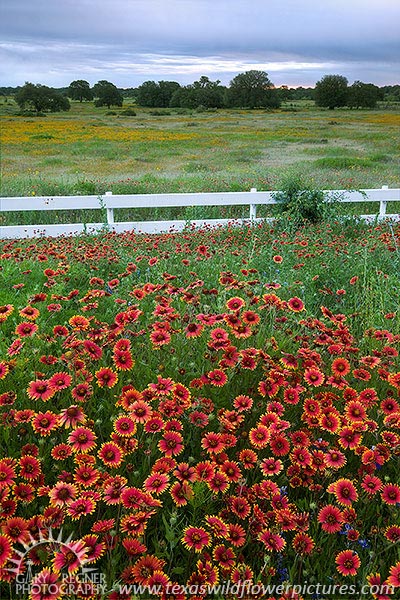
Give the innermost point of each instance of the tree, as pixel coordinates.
(363, 95)
(252, 89)
(107, 94)
(207, 93)
(80, 90)
(331, 91)
(41, 98)
(156, 95)
(202, 93)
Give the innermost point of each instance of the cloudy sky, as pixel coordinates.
(127, 42)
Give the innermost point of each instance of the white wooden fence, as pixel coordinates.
(109, 202)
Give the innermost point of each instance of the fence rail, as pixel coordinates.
(109, 202)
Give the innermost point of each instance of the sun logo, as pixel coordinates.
(67, 554)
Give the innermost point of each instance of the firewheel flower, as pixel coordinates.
(347, 562)
(111, 454)
(195, 538)
(82, 439)
(106, 377)
(5, 549)
(272, 541)
(295, 304)
(390, 494)
(70, 556)
(41, 390)
(331, 518)
(46, 582)
(345, 492)
(394, 576)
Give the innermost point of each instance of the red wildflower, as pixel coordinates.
(331, 518)
(60, 381)
(125, 426)
(26, 329)
(225, 557)
(345, 492)
(218, 482)
(295, 304)
(45, 423)
(110, 454)
(259, 436)
(279, 445)
(392, 533)
(347, 562)
(235, 303)
(82, 439)
(79, 322)
(272, 541)
(45, 586)
(181, 492)
(314, 377)
(271, 466)
(62, 493)
(390, 494)
(61, 451)
(194, 330)
(5, 547)
(340, 367)
(217, 378)
(195, 538)
(81, 507)
(72, 416)
(394, 576)
(5, 311)
(16, 529)
(248, 458)
(156, 483)
(41, 390)
(171, 444)
(212, 443)
(106, 377)
(29, 467)
(303, 543)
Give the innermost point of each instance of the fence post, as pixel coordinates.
(253, 208)
(382, 204)
(110, 212)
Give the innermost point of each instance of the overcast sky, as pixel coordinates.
(128, 42)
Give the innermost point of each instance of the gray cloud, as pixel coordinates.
(129, 41)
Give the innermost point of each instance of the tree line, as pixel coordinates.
(252, 89)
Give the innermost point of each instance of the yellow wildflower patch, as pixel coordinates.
(384, 119)
(17, 131)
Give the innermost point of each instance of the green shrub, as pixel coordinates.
(302, 203)
(128, 112)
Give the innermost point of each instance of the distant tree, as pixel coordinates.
(156, 95)
(207, 93)
(107, 94)
(302, 93)
(202, 93)
(41, 98)
(80, 90)
(148, 94)
(252, 89)
(363, 95)
(331, 91)
(390, 93)
(284, 93)
(183, 98)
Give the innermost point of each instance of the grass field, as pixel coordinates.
(201, 408)
(90, 151)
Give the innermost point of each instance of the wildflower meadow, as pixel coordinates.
(184, 410)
